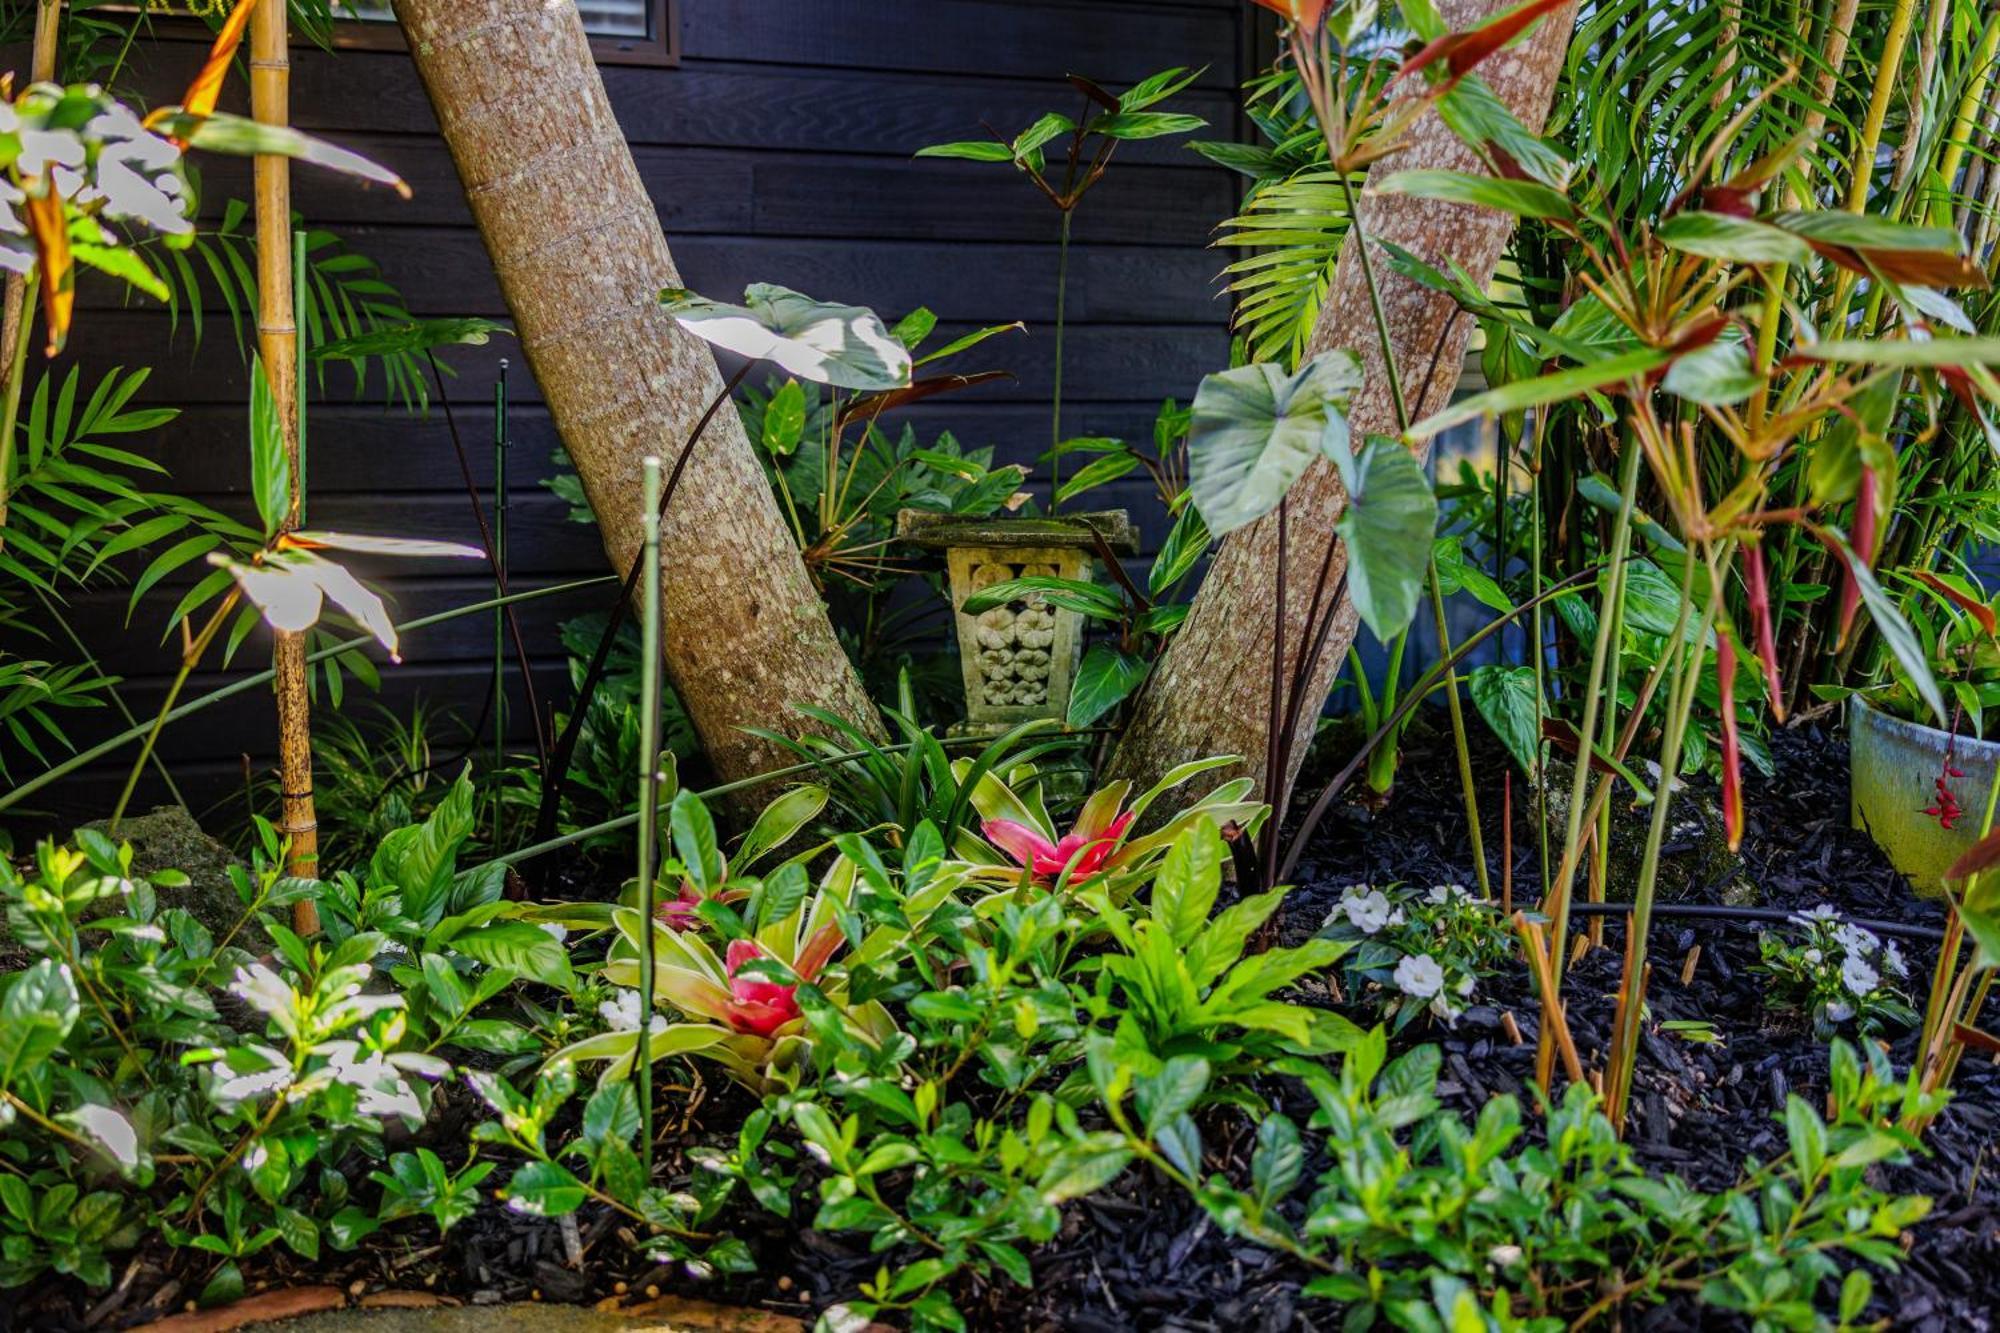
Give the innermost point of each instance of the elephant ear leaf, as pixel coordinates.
(846, 346)
(1390, 520)
(1254, 430)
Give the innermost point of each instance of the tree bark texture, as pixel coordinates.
(1210, 692)
(581, 260)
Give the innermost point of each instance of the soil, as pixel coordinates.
(1140, 1255)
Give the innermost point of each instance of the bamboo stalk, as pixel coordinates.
(16, 317)
(277, 345)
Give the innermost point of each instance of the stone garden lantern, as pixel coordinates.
(1019, 659)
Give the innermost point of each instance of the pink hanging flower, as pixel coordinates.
(1049, 859)
(757, 1006)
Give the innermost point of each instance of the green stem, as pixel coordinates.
(1600, 655)
(1455, 705)
(1688, 655)
(1055, 404)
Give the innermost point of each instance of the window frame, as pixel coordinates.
(354, 34)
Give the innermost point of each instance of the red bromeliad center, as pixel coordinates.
(1049, 859)
(757, 1006)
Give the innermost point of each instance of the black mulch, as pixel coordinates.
(1141, 1256)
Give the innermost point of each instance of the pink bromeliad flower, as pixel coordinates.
(1049, 859)
(755, 1005)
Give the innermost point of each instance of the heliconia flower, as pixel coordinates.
(1758, 587)
(1306, 13)
(1732, 754)
(1089, 850)
(757, 1006)
(1862, 539)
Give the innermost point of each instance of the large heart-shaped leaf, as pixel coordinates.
(1390, 520)
(1255, 430)
(1507, 698)
(843, 345)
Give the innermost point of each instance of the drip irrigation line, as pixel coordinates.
(1772, 915)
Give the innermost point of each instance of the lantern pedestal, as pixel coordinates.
(1019, 660)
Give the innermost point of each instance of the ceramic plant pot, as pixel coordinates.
(1019, 660)
(1893, 768)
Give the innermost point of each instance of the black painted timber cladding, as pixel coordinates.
(778, 150)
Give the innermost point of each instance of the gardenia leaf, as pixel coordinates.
(1255, 430)
(35, 1017)
(842, 345)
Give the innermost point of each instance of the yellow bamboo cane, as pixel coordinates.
(277, 346)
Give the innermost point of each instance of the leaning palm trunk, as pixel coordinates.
(278, 349)
(1206, 696)
(582, 260)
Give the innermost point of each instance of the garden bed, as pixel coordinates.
(1142, 1254)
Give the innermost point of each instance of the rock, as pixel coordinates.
(167, 838)
(1695, 853)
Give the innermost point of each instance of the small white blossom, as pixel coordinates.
(1892, 958)
(1419, 975)
(1838, 1011)
(1444, 893)
(556, 932)
(1466, 984)
(1857, 939)
(1814, 956)
(1858, 976)
(1823, 912)
(1372, 912)
(621, 1013)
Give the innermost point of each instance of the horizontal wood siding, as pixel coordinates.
(779, 151)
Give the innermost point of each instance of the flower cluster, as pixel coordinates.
(1836, 971)
(1417, 951)
(1945, 809)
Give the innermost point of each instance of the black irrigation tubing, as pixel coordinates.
(1770, 915)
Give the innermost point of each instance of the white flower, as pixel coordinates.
(1823, 912)
(1813, 956)
(621, 1013)
(1857, 939)
(1858, 976)
(556, 932)
(1372, 913)
(1838, 1011)
(1892, 958)
(1466, 984)
(1444, 893)
(1419, 975)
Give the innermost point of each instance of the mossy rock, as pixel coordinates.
(1694, 857)
(167, 838)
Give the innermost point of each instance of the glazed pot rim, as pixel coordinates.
(1923, 732)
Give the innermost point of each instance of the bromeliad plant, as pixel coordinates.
(1019, 842)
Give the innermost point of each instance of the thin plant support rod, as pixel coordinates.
(649, 782)
(500, 577)
(1055, 401)
(494, 561)
(277, 345)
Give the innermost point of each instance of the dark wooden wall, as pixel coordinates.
(780, 150)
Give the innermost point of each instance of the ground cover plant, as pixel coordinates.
(1551, 991)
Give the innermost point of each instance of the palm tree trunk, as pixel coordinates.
(278, 350)
(1206, 697)
(581, 260)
